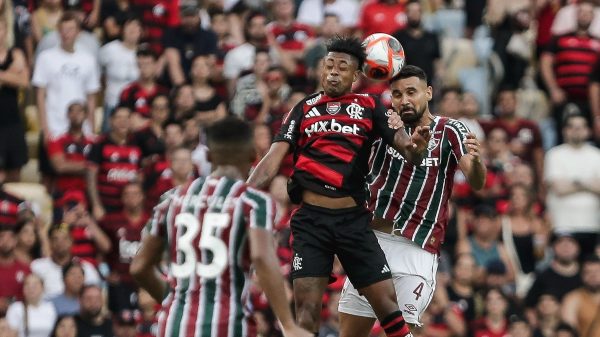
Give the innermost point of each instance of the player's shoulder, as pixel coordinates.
(311, 99)
(254, 195)
(454, 124)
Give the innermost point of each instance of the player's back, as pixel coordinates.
(205, 226)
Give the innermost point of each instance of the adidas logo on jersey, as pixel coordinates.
(331, 126)
(312, 113)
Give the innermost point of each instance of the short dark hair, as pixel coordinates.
(229, 130)
(69, 16)
(567, 118)
(172, 121)
(348, 45)
(145, 51)
(591, 258)
(120, 107)
(446, 90)
(410, 71)
(74, 263)
(76, 103)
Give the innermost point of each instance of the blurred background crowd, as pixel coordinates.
(103, 106)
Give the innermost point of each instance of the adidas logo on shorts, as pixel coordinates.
(385, 269)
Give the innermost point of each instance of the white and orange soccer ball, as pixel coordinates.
(385, 57)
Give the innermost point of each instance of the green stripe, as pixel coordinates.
(430, 216)
(459, 135)
(260, 211)
(210, 285)
(238, 277)
(385, 196)
(414, 188)
(180, 307)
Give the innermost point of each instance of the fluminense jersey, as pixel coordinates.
(331, 138)
(416, 197)
(205, 227)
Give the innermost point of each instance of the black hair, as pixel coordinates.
(76, 103)
(60, 319)
(229, 130)
(503, 89)
(452, 89)
(155, 97)
(128, 18)
(591, 258)
(251, 15)
(172, 121)
(410, 71)
(348, 45)
(145, 51)
(568, 116)
(72, 264)
(120, 107)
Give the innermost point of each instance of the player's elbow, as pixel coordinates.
(138, 268)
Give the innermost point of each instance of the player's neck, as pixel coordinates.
(229, 171)
(425, 120)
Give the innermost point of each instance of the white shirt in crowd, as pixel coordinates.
(312, 12)
(40, 319)
(120, 67)
(241, 58)
(51, 273)
(576, 212)
(565, 21)
(67, 77)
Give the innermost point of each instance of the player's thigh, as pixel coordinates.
(414, 295)
(308, 295)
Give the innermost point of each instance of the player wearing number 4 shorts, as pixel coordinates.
(410, 203)
(212, 229)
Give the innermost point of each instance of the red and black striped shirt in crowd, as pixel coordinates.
(157, 16)
(9, 208)
(331, 138)
(125, 236)
(117, 166)
(574, 59)
(137, 98)
(83, 246)
(74, 150)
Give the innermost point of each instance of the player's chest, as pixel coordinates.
(337, 118)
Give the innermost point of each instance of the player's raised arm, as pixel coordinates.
(471, 164)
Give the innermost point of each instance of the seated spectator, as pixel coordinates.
(577, 305)
(118, 60)
(381, 16)
(13, 272)
(65, 326)
(209, 106)
(187, 41)
(150, 138)
(115, 160)
(29, 240)
(125, 231)
(137, 94)
(501, 160)
(442, 318)
(34, 316)
(67, 303)
(330, 27)
(45, 18)
(314, 13)
(547, 317)
(67, 153)
(276, 92)
(50, 268)
(91, 320)
(494, 322)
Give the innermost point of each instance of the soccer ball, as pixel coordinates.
(385, 57)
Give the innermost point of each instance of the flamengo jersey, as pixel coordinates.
(331, 138)
(205, 228)
(416, 198)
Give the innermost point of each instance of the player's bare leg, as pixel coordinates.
(308, 295)
(355, 326)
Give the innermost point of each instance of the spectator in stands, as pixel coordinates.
(331, 326)
(273, 106)
(500, 158)
(118, 60)
(125, 231)
(381, 16)
(125, 323)
(137, 94)
(91, 320)
(13, 272)
(484, 243)
(566, 65)
(519, 327)
(68, 153)
(494, 322)
(209, 105)
(34, 316)
(67, 303)
(229, 34)
(330, 27)
(112, 15)
(314, 13)
(114, 161)
(50, 268)
(250, 89)
(460, 290)
(573, 180)
(242, 58)
(565, 20)
(594, 94)
(14, 75)
(89, 241)
(561, 276)
(174, 169)
(565, 330)
(45, 18)
(421, 47)
(524, 135)
(157, 16)
(29, 240)
(450, 102)
(577, 306)
(470, 114)
(547, 316)
(187, 41)
(65, 326)
(182, 101)
(150, 138)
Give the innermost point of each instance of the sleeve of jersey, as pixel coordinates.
(54, 148)
(94, 158)
(157, 224)
(262, 209)
(290, 128)
(457, 133)
(380, 122)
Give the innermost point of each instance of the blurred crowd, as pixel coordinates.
(104, 103)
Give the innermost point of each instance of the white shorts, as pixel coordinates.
(413, 272)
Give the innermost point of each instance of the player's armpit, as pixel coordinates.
(143, 267)
(268, 167)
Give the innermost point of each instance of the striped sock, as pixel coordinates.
(394, 325)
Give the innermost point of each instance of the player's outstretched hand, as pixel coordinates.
(420, 138)
(296, 331)
(394, 120)
(472, 145)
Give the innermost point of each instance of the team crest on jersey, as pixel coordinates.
(433, 143)
(333, 107)
(355, 111)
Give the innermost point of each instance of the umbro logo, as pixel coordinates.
(312, 113)
(385, 269)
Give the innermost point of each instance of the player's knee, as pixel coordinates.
(308, 314)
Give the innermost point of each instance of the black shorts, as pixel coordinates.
(320, 233)
(13, 148)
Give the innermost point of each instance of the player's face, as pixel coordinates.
(339, 72)
(410, 97)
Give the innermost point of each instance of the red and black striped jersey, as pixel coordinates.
(117, 166)
(205, 228)
(9, 208)
(137, 98)
(416, 197)
(156, 16)
(331, 138)
(83, 247)
(71, 149)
